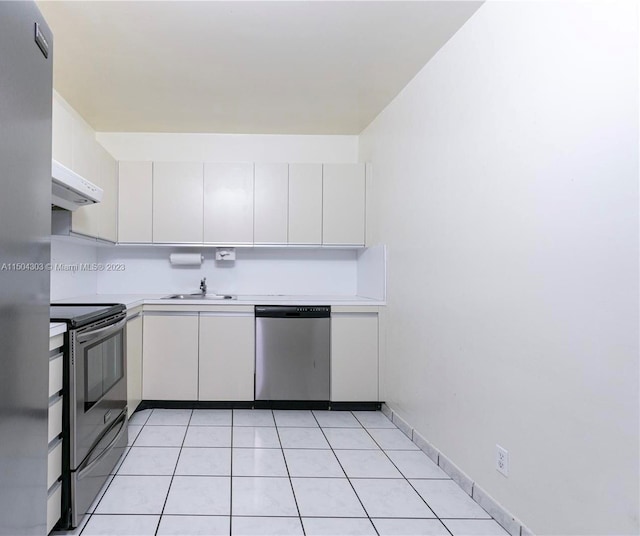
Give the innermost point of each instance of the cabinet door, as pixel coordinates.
(227, 357)
(343, 203)
(85, 160)
(134, 363)
(228, 203)
(135, 184)
(177, 202)
(61, 133)
(305, 204)
(271, 208)
(108, 207)
(170, 357)
(354, 357)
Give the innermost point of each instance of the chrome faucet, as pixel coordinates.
(203, 285)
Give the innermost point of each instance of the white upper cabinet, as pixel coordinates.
(343, 204)
(61, 134)
(305, 204)
(228, 203)
(271, 209)
(135, 186)
(86, 220)
(74, 145)
(225, 204)
(108, 207)
(177, 202)
(85, 161)
(84, 152)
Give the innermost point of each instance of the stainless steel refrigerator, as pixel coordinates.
(25, 223)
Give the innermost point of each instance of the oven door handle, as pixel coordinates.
(102, 332)
(91, 464)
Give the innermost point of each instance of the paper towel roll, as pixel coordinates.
(186, 259)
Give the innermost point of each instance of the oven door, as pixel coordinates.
(98, 385)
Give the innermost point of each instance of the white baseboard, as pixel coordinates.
(509, 522)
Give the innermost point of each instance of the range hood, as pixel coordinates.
(71, 191)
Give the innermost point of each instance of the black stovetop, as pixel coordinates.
(77, 315)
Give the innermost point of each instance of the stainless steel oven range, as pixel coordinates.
(95, 394)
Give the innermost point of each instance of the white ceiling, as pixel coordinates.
(298, 67)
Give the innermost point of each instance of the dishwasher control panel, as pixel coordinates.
(292, 311)
(306, 309)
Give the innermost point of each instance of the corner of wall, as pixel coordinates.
(371, 266)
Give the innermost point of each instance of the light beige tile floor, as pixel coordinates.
(263, 472)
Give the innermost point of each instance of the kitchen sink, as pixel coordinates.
(199, 296)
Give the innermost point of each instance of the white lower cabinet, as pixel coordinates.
(354, 357)
(54, 457)
(226, 356)
(170, 356)
(210, 355)
(54, 505)
(134, 363)
(54, 463)
(55, 418)
(56, 374)
(191, 356)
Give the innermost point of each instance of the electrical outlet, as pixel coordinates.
(502, 460)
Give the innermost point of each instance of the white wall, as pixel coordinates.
(506, 178)
(69, 277)
(230, 147)
(255, 271)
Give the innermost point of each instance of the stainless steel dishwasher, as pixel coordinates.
(293, 352)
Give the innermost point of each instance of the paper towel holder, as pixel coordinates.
(186, 259)
(225, 254)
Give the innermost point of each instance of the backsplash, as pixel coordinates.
(255, 271)
(82, 267)
(72, 272)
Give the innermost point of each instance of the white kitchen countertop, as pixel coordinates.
(135, 300)
(56, 328)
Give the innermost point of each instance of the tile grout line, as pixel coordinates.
(174, 473)
(231, 478)
(405, 478)
(286, 465)
(280, 476)
(345, 473)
